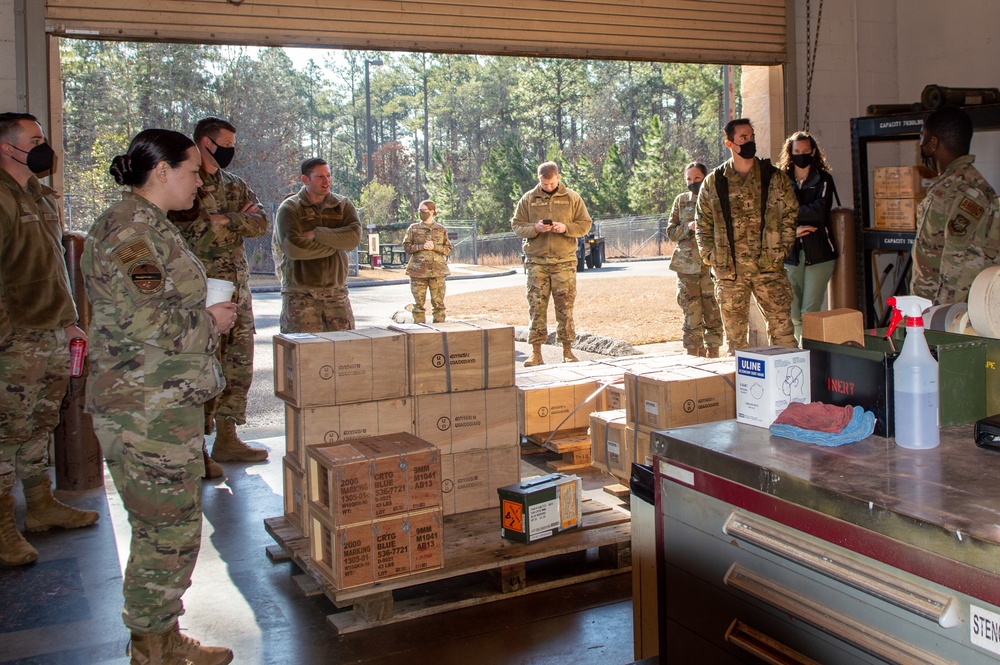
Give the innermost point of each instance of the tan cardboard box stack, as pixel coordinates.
(374, 508)
(898, 190)
(450, 384)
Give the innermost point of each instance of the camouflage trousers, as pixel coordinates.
(322, 310)
(558, 281)
(702, 321)
(235, 354)
(809, 285)
(156, 464)
(774, 298)
(419, 286)
(34, 373)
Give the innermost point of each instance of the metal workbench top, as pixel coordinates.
(939, 508)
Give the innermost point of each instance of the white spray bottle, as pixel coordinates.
(915, 378)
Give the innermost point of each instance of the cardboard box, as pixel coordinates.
(640, 440)
(294, 494)
(681, 395)
(540, 507)
(613, 397)
(902, 182)
(896, 214)
(457, 422)
(359, 554)
(470, 478)
(455, 356)
(339, 367)
(836, 326)
(373, 477)
(844, 375)
(768, 379)
(609, 444)
(548, 407)
(330, 424)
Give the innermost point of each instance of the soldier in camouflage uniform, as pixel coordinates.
(549, 219)
(695, 288)
(745, 241)
(958, 231)
(37, 318)
(224, 214)
(428, 245)
(314, 230)
(153, 367)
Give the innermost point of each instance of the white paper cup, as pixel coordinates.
(219, 290)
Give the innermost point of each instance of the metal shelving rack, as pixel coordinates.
(882, 129)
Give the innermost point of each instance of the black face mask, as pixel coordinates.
(748, 150)
(695, 187)
(40, 159)
(223, 156)
(802, 161)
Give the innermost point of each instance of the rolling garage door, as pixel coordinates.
(730, 31)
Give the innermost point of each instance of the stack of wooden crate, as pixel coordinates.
(450, 384)
(374, 508)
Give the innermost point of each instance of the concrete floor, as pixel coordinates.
(65, 609)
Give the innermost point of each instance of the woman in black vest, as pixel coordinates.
(810, 263)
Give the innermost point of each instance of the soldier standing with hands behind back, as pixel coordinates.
(428, 245)
(37, 321)
(549, 219)
(226, 211)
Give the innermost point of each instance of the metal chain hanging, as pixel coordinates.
(812, 45)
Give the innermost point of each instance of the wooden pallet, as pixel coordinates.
(480, 567)
(573, 445)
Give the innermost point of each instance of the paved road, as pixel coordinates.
(374, 307)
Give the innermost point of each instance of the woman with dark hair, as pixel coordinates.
(428, 245)
(811, 261)
(153, 367)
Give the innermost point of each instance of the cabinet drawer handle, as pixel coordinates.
(790, 544)
(860, 635)
(763, 646)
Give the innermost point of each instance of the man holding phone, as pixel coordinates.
(549, 218)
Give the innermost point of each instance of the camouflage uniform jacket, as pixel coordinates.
(758, 249)
(958, 234)
(152, 343)
(563, 205)
(34, 285)
(320, 263)
(220, 248)
(686, 260)
(427, 262)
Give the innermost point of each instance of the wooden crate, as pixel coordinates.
(682, 395)
(548, 407)
(458, 422)
(339, 367)
(331, 424)
(455, 356)
(479, 566)
(609, 443)
(573, 445)
(294, 494)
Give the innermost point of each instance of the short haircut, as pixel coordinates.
(548, 169)
(149, 148)
(10, 124)
(696, 165)
(733, 124)
(311, 163)
(210, 127)
(953, 128)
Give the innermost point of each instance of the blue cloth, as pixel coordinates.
(861, 427)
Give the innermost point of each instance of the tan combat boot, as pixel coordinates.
(212, 468)
(536, 356)
(568, 356)
(14, 549)
(153, 649)
(192, 650)
(713, 352)
(45, 511)
(228, 446)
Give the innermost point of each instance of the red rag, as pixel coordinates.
(816, 416)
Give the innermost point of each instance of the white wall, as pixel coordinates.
(8, 58)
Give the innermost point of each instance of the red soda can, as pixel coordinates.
(77, 354)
